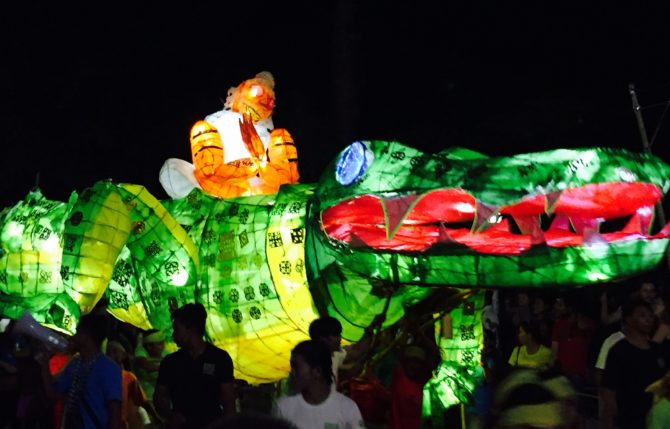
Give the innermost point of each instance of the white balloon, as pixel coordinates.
(177, 178)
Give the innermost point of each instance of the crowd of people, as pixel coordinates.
(584, 357)
(610, 343)
(114, 376)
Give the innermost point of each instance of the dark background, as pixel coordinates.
(94, 91)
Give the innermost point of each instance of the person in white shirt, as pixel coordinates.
(316, 405)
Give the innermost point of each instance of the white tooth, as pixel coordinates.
(551, 201)
(640, 222)
(396, 209)
(356, 242)
(560, 223)
(530, 225)
(664, 232)
(443, 235)
(583, 224)
(592, 238)
(484, 216)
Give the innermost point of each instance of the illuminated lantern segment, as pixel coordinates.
(382, 213)
(236, 152)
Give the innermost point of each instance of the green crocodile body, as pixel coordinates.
(386, 227)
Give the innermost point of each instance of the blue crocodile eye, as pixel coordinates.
(352, 163)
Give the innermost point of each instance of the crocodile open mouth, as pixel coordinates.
(587, 215)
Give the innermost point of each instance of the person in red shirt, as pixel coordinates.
(570, 340)
(409, 376)
(57, 363)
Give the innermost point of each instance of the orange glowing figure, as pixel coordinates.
(214, 176)
(256, 175)
(237, 151)
(283, 154)
(254, 97)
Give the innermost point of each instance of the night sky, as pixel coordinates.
(92, 92)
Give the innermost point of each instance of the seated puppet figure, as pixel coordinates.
(262, 173)
(237, 152)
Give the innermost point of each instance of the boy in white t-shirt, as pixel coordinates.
(316, 405)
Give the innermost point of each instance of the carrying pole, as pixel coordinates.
(660, 214)
(638, 117)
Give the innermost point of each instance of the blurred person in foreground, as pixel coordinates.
(659, 415)
(254, 420)
(528, 399)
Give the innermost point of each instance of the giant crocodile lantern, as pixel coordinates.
(387, 227)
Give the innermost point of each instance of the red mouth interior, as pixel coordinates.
(592, 213)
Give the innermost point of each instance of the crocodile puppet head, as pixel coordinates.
(387, 228)
(396, 215)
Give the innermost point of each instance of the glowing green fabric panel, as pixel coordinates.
(539, 267)
(30, 262)
(460, 370)
(57, 311)
(31, 235)
(163, 258)
(355, 301)
(96, 230)
(236, 284)
(252, 279)
(131, 296)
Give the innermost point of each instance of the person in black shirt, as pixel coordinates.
(632, 364)
(195, 385)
